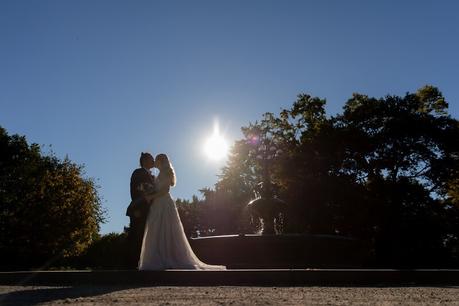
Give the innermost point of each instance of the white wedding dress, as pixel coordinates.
(165, 245)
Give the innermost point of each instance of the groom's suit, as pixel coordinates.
(137, 212)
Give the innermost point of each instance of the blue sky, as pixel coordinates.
(101, 81)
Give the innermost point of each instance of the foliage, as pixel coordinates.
(105, 252)
(385, 170)
(48, 210)
(216, 214)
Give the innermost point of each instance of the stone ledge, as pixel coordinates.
(247, 277)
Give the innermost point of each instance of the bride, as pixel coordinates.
(165, 245)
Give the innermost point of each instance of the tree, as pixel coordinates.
(48, 210)
(385, 170)
(409, 157)
(190, 215)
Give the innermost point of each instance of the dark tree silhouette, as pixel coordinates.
(48, 210)
(385, 170)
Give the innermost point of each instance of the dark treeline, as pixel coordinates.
(385, 170)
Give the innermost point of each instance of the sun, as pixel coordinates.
(216, 147)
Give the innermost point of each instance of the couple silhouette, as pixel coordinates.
(156, 238)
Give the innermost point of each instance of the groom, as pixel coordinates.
(142, 189)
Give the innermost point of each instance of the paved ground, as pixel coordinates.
(110, 295)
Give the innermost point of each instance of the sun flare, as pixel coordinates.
(216, 147)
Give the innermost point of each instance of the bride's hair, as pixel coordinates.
(166, 168)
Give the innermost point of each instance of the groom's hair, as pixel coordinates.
(143, 156)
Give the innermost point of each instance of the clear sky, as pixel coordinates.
(102, 81)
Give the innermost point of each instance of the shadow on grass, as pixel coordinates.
(43, 295)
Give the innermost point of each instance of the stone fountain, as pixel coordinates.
(267, 208)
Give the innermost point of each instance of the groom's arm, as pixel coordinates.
(137, 178)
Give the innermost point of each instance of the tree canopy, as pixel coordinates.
(385, 170)
(48, 209)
